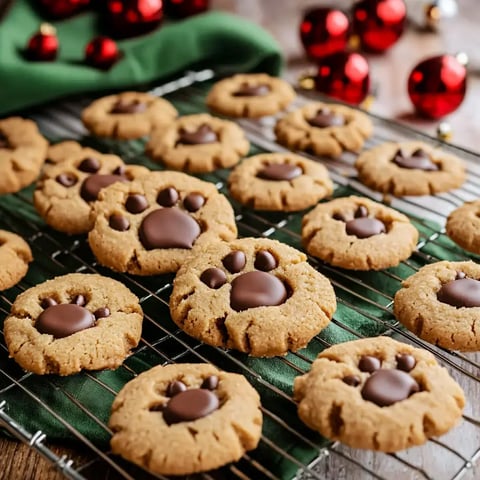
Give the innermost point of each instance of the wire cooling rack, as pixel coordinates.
(365, 296)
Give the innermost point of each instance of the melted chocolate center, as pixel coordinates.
(134, 106)
(280, 171)
(92, 185)
(204, 134)
(190, 405)
(462, 292)
(364, 227)
(326, 118)
(247, 90)
(64, 320)
(419, 159)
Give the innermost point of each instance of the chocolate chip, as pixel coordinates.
(352, 380)
(235, 261)
(136, 203)
(48, 302)
(464, 292)
(167, 197)
(123, 106)
(174, 388)
(4, 143)
(280, 171)
(364, 227)
(213, 277)
(369, 364)
(265, 261)
(102, 312)
(168, 228)
(326, 118)
(190, 405)
(202, 135)
(119, 222)
(64, 320)
(419, 159)
(405, 362)
(120, 170)
(79, 300)
(386, 387)
(92, 185)
(361, 212)
(194, 202)
(210, 383)
(248, 90)
(256, 289)
(89, 165)
(66, 179)
(340, 216)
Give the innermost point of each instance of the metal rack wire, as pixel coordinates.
(366, 295)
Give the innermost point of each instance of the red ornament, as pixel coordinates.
(63, 8)
(185, 8)
(324, 31)
(43, 46)
(102, 52)
(345, 76)
(437, 85)
(379, 23)
(127, 18)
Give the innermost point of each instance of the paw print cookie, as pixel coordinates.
(250, 95)
(149, 226)
(66, 192)
(409, 168)
(127, 115)
(358, 234)
(463, 226)
(324, 129)
(255, 295)
(72, 323)
(22, 153)
(441, 304)
(198, 143)
(279, 181)
(378, 394)
(212, 416)
(15, 255)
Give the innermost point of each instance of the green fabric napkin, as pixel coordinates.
(218, 40)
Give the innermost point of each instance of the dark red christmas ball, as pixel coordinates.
(185, 8)
(43, 46)
(126, 18)
(63, 8)
(102, 53)
(344, 75)
(324, 31)
(437, 85)
(379, 23)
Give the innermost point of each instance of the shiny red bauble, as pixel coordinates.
(102, 53)
(63, 8)
(345, 76)
(379, 23)
(43, 46)
(185, 8)
(437, 86)
(324, 31)
(126, 18)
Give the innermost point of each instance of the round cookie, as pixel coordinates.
(378, 394)
(409, 168)
(441, 304)
(358, 234)
(72, 323)
(15, 255)
(463, 226)
(186, 418)
(22, 153)
(255, 295)
(149, 226)
(127, 115)
(279, 181)
(65, 194)
(324, 129)
(198, 143)
(250, 95)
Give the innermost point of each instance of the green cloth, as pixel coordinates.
(218, 40)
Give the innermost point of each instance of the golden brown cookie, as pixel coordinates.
(185, 418)
(324, 129)
(127, 115)
(255, 295)
(198, 143)
(409, 168)
(22, 153)
(279, 181)
(378, 394)
(441, 304)
(358, 234)
(15, 255)
(66, 192)
(250, 95)
(463, 226)
(149, 226)
(72, 323)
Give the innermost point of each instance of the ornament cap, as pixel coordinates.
(462, 58)
(47, 29)
(444, 131)
(306, 81)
